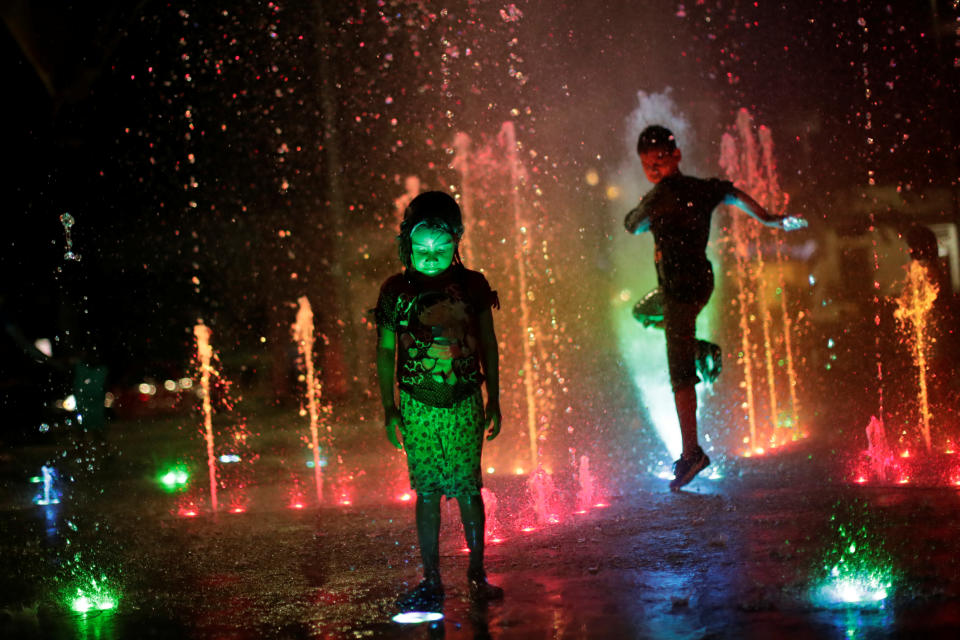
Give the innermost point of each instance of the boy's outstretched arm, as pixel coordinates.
(491, 372)
(636, 220)
(386, 363)
(743, 201)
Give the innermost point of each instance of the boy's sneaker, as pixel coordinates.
(482, 590)
(426, 596)
(686, 469)
(709, 360)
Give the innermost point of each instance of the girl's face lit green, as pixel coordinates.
(431, 250)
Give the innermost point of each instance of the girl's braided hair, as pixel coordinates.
(434, 210)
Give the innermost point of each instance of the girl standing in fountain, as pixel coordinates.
(435, 327)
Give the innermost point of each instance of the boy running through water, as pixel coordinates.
(677, 211)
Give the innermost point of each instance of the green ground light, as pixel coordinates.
(174, 479)
(857, 570)
(95, 596)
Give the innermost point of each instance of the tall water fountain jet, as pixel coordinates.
(461, 163)
(748, 161)
(304, 336)
(913, 317)
(205, 354)
(494, 181)
(776, 197)
(508, 140)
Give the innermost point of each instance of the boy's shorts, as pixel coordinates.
(443, 446)
(680, 327)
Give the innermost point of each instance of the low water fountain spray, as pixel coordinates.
(205, 353)
(303, 333)
(49, 494)
(68, 221)
(913, 317)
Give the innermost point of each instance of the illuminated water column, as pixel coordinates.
(748, 161)
(505, 234)
(778, 200)
(304, 336)
(913, 317)
(740, 250)
(205, 354)
(461, 162)
(508, 140)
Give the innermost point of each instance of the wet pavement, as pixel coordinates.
(739, 557)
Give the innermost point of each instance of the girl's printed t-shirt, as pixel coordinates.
(436, 323)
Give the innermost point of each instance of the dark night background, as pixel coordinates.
(222, 159)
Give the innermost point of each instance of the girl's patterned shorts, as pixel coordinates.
(443, 446)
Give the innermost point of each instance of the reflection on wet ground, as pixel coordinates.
(740, 558)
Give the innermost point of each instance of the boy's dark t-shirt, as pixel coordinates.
(677, 210)
(436, 322)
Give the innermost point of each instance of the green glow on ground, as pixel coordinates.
(174, 479)
(95, 596)
(857, 571)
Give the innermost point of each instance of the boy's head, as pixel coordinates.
(430, 233)
(658, 153)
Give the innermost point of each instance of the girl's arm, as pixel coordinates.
(386, 364)
(491, 371)
(743, 201)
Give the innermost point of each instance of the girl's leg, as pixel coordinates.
(428, 534)
(474, 521)
(428, 595)
(473, 517)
